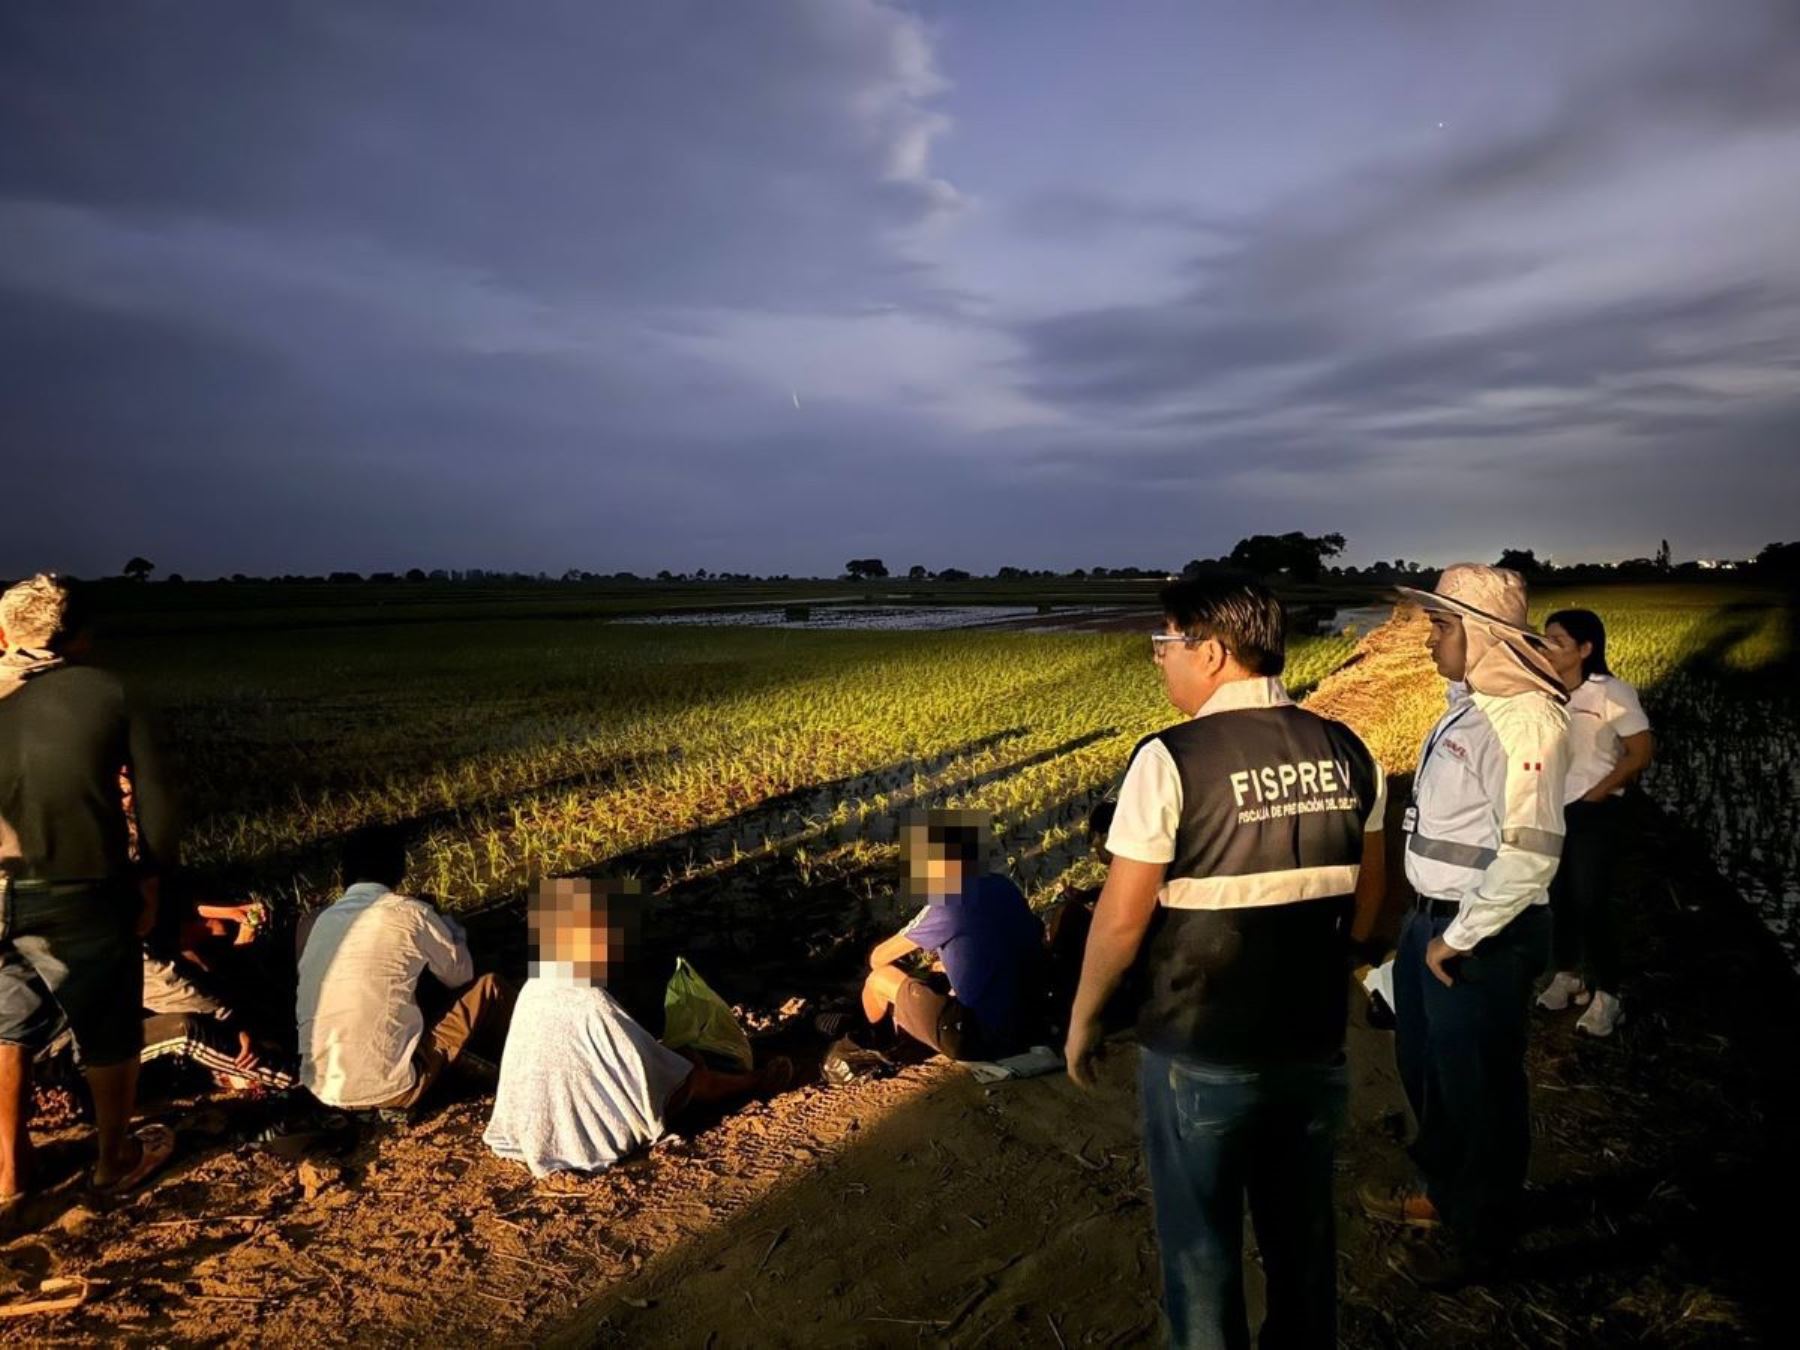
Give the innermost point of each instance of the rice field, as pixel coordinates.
(700, 757)
(522, 749)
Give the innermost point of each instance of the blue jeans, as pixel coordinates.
(1461, 1052)
(1214, 1136)
(72, 948)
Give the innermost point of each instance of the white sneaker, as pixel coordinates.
(1563, 987)
(1603, 1014)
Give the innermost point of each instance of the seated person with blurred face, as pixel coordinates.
(983, 997)
(371, 1037)
(581, 1083)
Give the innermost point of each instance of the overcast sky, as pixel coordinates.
(764, 285)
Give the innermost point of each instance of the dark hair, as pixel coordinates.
(955, 843)
(373, 853)
(1242, 614)
(1100, 819)
(1583, 625)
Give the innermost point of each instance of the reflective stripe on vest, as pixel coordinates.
(1255, 889)
(1449, 851)
(1546, 842)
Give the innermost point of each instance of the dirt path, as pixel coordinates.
(926, 1209)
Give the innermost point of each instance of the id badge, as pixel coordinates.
(1409, 822)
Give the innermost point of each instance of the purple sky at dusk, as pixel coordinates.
(764, 286)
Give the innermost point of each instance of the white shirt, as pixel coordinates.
(358, 1005)
(1149, 805)
(1603, 711)
(1488, 794)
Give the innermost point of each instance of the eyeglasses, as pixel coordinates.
(1159, 643)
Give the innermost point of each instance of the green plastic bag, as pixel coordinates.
(695, 1018)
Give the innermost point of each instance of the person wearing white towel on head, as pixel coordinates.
(581, 1083)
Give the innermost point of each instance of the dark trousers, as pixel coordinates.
(1214, 1137)
(1584, 924)
(1461, 1051)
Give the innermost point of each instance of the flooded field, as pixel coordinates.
(879, 618)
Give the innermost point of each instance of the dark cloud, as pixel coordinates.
(301, 285)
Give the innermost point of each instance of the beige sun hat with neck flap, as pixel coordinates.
(1506, 655)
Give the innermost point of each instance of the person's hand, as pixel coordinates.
(247, 1058)
(1597, 796)
(1438, 957)
(1083, 1051)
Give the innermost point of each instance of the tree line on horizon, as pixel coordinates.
(1291, 557)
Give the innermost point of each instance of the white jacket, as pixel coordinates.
(1486, 828)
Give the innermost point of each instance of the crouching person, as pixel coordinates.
(370, 1036)
(581, 1083)
(201, 970)
(984, 995)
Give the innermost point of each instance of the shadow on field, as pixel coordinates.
(765, 927)
(318, 857)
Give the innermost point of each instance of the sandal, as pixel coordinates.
(156, 1145)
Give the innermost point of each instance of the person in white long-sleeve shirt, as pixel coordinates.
(366, 1039)
(1484, 835)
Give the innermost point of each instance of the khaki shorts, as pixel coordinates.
(926, 1010)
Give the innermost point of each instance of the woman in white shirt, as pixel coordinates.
(1609, 747)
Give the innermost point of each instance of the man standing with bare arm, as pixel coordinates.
(1246, 859)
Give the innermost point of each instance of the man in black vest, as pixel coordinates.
(1246, 856)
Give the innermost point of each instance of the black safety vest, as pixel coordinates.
(1245, 959)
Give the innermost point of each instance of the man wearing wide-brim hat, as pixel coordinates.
(1484, 833)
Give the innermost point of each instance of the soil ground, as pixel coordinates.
(927, 1209)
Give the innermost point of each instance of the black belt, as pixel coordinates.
(1437, 909)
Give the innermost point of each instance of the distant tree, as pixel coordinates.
(860, 569)
(1198, 567)
(952, 574)
(415, 574)
(139, 569)
(1010, 573)
(1663, 561)
(343, 577)
(1524, 561)
(917, 572)
(1296, 555)
(175, 579)
(1079, 574)
(665, 575)
(1780, 560)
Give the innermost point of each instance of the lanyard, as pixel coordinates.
(1431, 743)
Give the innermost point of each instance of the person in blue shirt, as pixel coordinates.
(983, 997)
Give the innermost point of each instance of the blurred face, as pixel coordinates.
(1448, 645)
(1191, 670)
(933, 869)
(1566, 654)
(583, 925)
